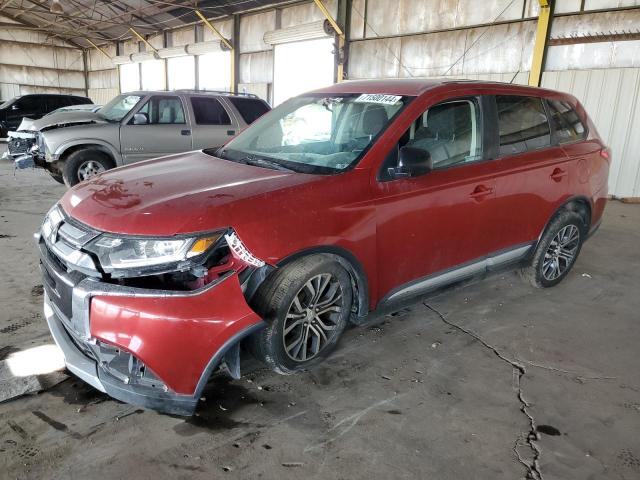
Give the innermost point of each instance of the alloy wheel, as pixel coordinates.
(561, 252)
(89, 169)
(312, 317)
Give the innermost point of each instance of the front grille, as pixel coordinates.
(18, 146)
(58, 283)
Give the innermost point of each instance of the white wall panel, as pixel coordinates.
(252, 30)
(306, 13)
(225, 27)
(256, 67)
(612, 99)
(101, 96)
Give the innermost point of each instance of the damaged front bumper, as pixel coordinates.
(153, 348)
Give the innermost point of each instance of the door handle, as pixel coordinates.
(480, 192)
(186, 133)
(231, 132)
(557, 174)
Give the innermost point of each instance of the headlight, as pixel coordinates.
(122, 253)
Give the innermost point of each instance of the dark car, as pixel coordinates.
(336, 203)
(33, 106)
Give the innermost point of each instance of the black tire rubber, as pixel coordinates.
(77, 158)
(533, 272)
(272, 301)
(57, 177)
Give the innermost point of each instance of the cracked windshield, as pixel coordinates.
(316, 134)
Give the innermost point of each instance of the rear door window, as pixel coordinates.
(566, 122)
(209, 111)
(522, 123)
(249, 108)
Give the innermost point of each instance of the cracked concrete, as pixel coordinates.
(410, 395)
(530, 437)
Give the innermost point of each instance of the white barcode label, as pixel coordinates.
(378, 98)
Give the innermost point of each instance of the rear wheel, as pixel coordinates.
(557, 251)
(306, 305)
(83, 164)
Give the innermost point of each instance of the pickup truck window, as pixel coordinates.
(209, 111)
(163, 110)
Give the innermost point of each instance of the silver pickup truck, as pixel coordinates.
(74, 146)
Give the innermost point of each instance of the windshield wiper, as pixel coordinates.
(261, 162)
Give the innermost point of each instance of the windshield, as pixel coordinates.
(315, 133)
(117, 109)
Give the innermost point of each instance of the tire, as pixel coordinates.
(548, 267)
(57, 177)
(83, 164)
(285, 301)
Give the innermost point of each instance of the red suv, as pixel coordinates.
(336, 203)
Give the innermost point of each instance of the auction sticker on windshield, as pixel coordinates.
(378, 98)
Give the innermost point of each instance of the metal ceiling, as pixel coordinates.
(103, 21)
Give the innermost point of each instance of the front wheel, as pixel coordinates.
(83, 164)
(57, 177)
(557, 251)
(306, 305)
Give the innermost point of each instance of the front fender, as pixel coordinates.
(63, 147)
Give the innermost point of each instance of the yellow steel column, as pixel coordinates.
(226, 44)
(341, 38)
(540, 45)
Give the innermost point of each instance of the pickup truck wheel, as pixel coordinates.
(57, 177)
(557, 251)
(84, 164)
(306, 305)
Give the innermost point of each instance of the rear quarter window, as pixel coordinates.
(522, 123)
(566, 122)
(249, 108)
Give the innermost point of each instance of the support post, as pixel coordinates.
(540, 46)
(342, 40)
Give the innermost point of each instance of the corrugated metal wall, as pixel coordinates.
(30, 62)
(612, 98)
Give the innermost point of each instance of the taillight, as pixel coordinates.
(605, 153)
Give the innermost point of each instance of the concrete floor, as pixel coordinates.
(491, 380)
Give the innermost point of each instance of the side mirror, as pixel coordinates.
(412, 162)
(140, 119)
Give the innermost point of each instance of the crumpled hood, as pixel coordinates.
(183, 193)
(60, 119)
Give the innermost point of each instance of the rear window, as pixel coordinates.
(249, 108)
(522, 123)
(209, 111)
(566, 122)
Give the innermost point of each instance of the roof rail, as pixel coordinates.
(219, 92)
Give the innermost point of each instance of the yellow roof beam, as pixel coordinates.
(98, 48)
(142, 39)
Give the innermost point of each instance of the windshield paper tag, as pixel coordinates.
(378, 98)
